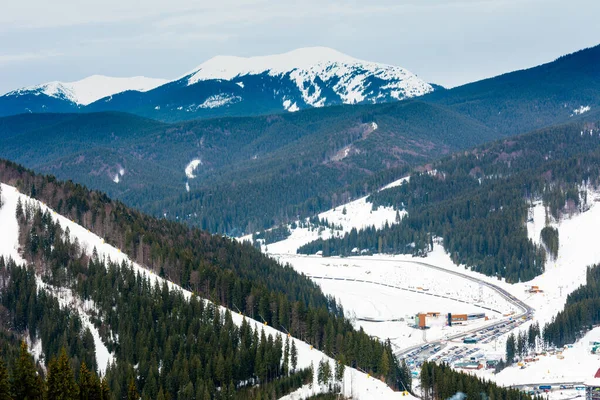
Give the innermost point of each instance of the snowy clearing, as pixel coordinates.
(191, 167)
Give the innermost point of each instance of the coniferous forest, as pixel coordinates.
(478, 202)
(141, 315)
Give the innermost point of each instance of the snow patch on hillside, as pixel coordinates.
(289, 106)
(220, 100)
(191, 167)
(581, 110)
(67, 299)
(536, 221)
(9, 232)
(90, 89)
(355, 214)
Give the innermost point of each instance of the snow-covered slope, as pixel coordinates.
(90, 89)
(356, 384)
(316, 70)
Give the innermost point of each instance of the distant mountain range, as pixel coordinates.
(232, 86)
(215, 173)
(71, 96)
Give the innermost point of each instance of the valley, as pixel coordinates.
(296, 223)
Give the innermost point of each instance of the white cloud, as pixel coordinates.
(26, 57)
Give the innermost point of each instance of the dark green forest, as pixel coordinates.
(478, 202)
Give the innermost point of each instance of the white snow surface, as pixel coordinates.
(355, 383)
(581, 110)
(289, 106)
(92, 88)
(191, 167)
(219, 100)
(306, 65)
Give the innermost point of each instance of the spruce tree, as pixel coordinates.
(286, 357)
(27, 384)
(104, 390)
(5, 393)
(294, 354)
(132, 393)
(87, 389)
(61, 381)
(340, 367)
(511, 347)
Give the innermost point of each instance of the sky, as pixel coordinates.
(448, 42)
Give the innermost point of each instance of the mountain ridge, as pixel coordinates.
(234, 86)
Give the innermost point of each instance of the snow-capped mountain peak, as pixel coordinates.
(229, 67)
(90, 89)
(315, 71)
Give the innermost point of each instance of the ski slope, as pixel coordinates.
(355, 383)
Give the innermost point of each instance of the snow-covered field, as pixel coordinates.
(355, 383)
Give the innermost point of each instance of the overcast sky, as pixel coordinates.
(448, 42)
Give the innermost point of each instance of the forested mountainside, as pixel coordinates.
(521, 101)
(136, 319)
(307, 161)
(478, 202)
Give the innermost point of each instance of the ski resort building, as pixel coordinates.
(592, 387)
(461, 319)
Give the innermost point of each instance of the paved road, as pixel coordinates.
(555, 385)
(526, 310)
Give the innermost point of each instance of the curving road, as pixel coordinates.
(526, 310)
